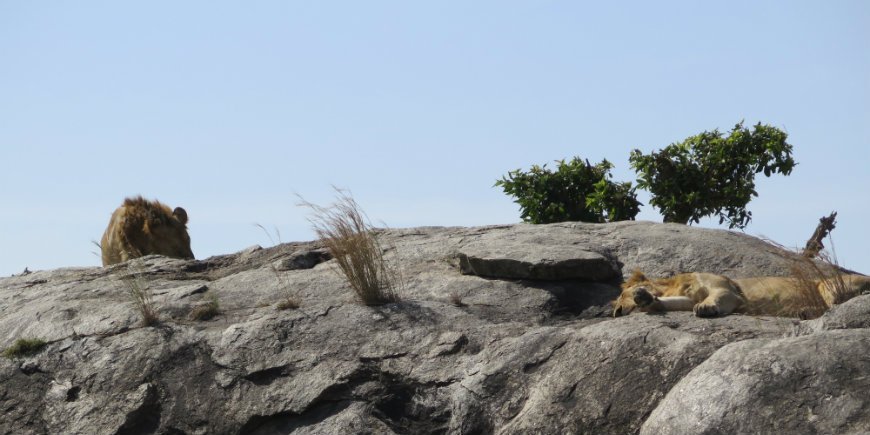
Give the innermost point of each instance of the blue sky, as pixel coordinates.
(229, 109)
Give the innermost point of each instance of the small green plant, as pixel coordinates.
(207, 310)
(141, 297)
(24, 347)
(575, 191)
(711, 173)
(346, 233)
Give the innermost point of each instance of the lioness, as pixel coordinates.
(141, 227)
(710, 295)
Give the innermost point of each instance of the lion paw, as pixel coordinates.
(643, 298)
(706, 310)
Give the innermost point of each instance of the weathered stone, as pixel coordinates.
(657, 249)
(852, 314)
(524, 352)
(303, 260)
(810, 384)
(536, 262)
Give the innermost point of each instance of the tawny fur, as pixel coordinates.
(140, 227)
(710, 295)
(791, 297)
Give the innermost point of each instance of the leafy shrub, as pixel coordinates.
(351, 240)
(24, 347)
(712, 174)
(576, 191)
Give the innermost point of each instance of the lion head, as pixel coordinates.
(637, 284)
(141, 227)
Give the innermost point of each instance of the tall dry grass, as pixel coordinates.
(344, 229)
(818, 283)
(141, 297)
(289, 301)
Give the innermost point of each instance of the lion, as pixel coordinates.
(141, 227)
(711, 295)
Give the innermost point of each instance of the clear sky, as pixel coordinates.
(229, 109)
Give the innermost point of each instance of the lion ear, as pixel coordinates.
(636, 276)
(180, 214)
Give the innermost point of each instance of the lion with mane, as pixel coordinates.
(141, 227)
(711, 295)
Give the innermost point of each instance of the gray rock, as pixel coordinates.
(810, 384)
(534, 258)
(530, 349)
(657, 249)
(852, 314)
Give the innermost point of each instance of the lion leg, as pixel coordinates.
(677, 303)
(718, 303)
(652, 303)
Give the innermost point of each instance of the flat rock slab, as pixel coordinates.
(525, 252)
(536, 262)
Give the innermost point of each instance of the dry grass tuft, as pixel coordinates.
(809, 304)
(352, 241)
(140, 295)
(207, 310)
(455, 299)
(24, 347)
(269, 234)
(288, 303)
(99, 252)
(820, 283)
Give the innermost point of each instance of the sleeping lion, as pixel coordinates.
(711, 295)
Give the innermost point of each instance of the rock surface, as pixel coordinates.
(500, 330)
(808, 384)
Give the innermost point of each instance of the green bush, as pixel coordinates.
(576, 191)
(712, 174)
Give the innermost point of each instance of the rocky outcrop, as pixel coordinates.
(500, 330)
(809, 384)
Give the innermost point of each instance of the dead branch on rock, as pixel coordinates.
(814, 244)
